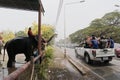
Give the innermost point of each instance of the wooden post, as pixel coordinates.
(39, 29)
(32, 67)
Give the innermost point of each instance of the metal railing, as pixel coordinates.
(25, 72)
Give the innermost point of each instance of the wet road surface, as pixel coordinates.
(109, 71)
(64, 72)
(61, 69)
(4, 71)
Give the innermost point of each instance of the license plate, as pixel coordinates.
(105, 58)
(105, 51)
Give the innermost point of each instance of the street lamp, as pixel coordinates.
(116, 5)
(65, 22)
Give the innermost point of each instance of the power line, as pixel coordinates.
(58, 12)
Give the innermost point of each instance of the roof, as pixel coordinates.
(22, 4)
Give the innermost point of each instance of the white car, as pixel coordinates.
(104, 55)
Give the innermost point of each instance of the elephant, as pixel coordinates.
(25, 45)
(20, 45)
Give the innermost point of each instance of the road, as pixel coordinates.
(109, 71)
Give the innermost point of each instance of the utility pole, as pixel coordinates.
(65, 22)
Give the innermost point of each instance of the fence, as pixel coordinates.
(25, 72)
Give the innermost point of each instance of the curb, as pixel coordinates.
(80, 69)
(83, 69)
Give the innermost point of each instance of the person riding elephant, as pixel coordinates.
(31, 35)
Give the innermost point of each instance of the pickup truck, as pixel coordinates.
(104, 55)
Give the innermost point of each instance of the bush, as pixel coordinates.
(42, 68)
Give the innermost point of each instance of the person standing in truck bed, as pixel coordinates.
(110, 43)
(103, 42)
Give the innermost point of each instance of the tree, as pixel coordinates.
(97, 23)
(20, 33)
(108, 25)
(112, 19)
(7, 35)
(46, 30)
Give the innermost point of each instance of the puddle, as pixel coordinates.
(4, 71)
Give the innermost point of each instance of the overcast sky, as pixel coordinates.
(78, 16)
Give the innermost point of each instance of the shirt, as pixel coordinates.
(30, 34)
(94, 44)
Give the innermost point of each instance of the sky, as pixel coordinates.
(77, 16)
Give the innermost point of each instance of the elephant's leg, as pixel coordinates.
(11, 60)
(14, 59)
(9, 63)
(27, 55)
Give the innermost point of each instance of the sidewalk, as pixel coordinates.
(61, 69)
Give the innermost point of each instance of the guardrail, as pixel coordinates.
(25, 72)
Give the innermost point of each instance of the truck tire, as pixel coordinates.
(87, 59)
(76, 54)
(106, 62)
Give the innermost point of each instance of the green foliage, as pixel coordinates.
(42, 68)
(49, 52)
(20, 33)
(112, 19)
(46, 30)
(97, 23)
(108, 25)
(7, 35)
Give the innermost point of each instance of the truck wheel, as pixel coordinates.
(77, 56)
(106, 62)
(76, 53)
(87, 59)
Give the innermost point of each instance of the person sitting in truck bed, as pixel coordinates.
(94, 43)
(88, 43)
(102, 42)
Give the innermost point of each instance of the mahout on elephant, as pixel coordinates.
(20, 45)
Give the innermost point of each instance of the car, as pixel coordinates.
(117, 52)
